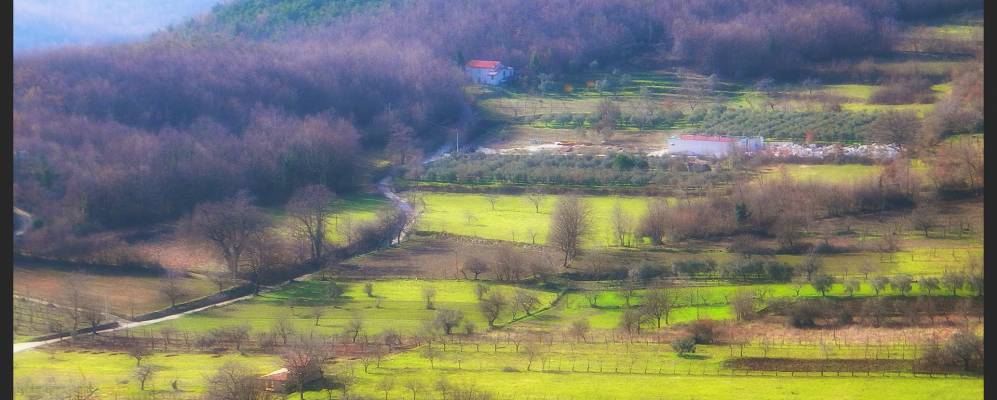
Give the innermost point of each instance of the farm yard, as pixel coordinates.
(375, 219)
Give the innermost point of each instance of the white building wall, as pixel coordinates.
(677, 145)
(699, 147)
(483, 75)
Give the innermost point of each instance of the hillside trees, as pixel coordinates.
(248, 115)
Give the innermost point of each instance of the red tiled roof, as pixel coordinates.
(707, 138)
(482, 64)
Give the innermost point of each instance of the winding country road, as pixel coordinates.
(18, 347)
(385, 187)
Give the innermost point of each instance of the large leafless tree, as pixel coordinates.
(571, 224)
(302, 360)
(229, 225)
(310, 208)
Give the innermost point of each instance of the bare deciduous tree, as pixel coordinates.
(508, 263)
(474, 265)
(448, 319)
(571, 223)
(354, 327)
(622, 224)
(535, 198)
(525, 301)
(137, 350)
(303, 360)
(492, 199)
(580, 328)
(229, 225)
(92, 312)
(310, 207)
(385, 385)
(429, 295)
(492, 307)
(262, 255)
(654, 224)
(172, 287)
(896, 127)
(658, 304)
(414, 386)
(144, 373)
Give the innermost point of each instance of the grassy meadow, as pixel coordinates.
(357, 208)
(650, 372)
(514, 218)
(111, 372)
(401, 307)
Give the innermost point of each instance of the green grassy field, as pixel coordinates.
(514, 217)
(112, 372)
(692, 303)
(562, 370)
(826, 173)
(633, 372)
(358, 208)
(401, 307)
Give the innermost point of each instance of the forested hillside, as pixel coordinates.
(139, 133)
(259, 18)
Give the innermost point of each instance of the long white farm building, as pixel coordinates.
(714, 146)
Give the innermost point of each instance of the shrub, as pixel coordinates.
(703, 331)
(685, 344)
(804, 314)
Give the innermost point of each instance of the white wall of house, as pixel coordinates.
(699, 147)
(489, 76)
(677, 145)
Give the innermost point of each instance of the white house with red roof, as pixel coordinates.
(487, 72)
(711, 145)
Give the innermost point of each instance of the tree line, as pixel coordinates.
(612, 169)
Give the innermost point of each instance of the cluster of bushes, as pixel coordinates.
(904, 91)
(841, 126)
(961, 111)
(956, 167)
(743, 269)
(775, 208)
(613, 169)
(873, 311)
(963, 351)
